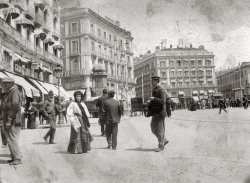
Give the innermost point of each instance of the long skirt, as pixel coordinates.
(79, 141)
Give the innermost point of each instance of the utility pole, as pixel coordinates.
(240, 81)
(142, 89)
(116, 76)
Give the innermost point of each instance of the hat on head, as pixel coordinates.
(51, 93)
(8, 80)
(111, 92)
(104, 91)
(155, 76)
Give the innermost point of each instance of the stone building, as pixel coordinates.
(234, 82)
(30, 37)
(91, 39)
(184, 71)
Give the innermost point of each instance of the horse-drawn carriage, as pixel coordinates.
(136, 105)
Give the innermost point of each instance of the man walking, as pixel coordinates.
(100, 105)
(11, 112)
(112, 111)
(222, 105)
(158, 104)
(49, 111)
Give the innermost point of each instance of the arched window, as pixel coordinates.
(75, 67)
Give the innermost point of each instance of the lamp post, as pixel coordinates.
(58, 72)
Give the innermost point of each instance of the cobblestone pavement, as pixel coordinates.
(204, 146)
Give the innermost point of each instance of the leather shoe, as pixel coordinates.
(52, 142)
(46, 139)
(109, 147)
(10, 160)
(166, 142)
(159, 149)
(114, 148)
(16, 162)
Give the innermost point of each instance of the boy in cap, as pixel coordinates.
(158, 104)
(112, 111)
(11, 112)
(49, 111)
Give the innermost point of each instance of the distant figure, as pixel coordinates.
(168, 107)
(192, 105)
(222, 105)
(11, 113)
(209, 103)
(203, 104)
(100, 104)
(245, 102)
(78, 114)
(112, 110)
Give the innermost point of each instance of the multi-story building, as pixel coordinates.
(91, 39)
(234, 82)
(183, 71)
(30, 37)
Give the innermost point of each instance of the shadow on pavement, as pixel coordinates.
(139, 149)
(3, 161)
(62, 152)
(4, 155)
(106, 148)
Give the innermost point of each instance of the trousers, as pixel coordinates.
(3, 136)
(158, 129)
(111, 134)
(12, 136)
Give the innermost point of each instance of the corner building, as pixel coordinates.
(183, 71)
(90, 39)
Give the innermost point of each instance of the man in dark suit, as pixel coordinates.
(158, 103)
(100, 105)
(113, 113)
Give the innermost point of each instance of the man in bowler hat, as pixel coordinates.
(11, 114)
(112, 110)
(158, 104)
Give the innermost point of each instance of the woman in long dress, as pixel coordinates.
(77, 115)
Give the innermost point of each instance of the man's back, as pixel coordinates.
(100, 103)
(112, 110)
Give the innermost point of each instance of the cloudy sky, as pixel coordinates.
(222, 26)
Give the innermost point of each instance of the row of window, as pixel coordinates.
(187, 73)
(185, 63)
(232, 77)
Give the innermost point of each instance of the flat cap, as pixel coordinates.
(8, 80)
(111, 92)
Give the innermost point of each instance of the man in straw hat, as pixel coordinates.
(158, 104)
(11, 112)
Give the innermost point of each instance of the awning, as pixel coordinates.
(173, 81)
(28, 88)
(63, 92)
(49, 87)
(49, 40)
(41, 34)
(18, 57)
(195, 92)
(40, 4)
(181, 93)
(12, 10)
(201, 79)
(196, 98)
(2, 75)
(41, 88)
(24, 21)
(59, 47)
(71, 92)
(4, 4)
(210, 91)
(202, 92)
(6, 49)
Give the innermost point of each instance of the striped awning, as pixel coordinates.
(58, 46)
(12, 10)
(4, 4)
(41, 34)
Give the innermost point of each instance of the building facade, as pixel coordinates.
(183, 71)
(90, 39)
(30, 38)
(234, 82)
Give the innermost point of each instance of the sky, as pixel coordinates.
(222, 26)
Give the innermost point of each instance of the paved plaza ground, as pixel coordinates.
(204, 146)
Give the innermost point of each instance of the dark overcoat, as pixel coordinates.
(112, 110)
(100, 104)
(159, 102)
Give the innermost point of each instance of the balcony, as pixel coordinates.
(30, 13)
(38, 19)
(52, 58)
(19, 4)
(46, 27)
(56, 34)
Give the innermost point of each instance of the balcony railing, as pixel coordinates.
(22, 41)
(39, 19)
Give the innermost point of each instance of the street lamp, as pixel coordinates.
(58, 72)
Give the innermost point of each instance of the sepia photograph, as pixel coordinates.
(124, 91)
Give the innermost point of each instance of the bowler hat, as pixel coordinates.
(51, 93)
(8, 80)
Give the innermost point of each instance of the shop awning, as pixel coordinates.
(195, 92)
(24, 21)
(196, 98)
(2, 75)
(18, 57)
(12, 10)
(71, 92)
(181, 93)
(28, 88)
(63, 92)
(210, 91)
(40, 33)
(41, 88)
(202, 92)
(4, 4)
(58, 46)
(49, 87)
